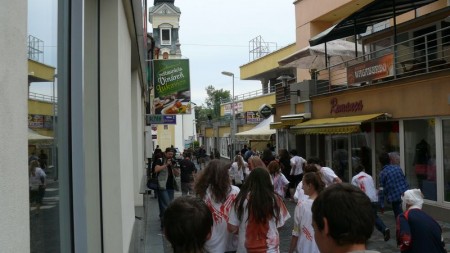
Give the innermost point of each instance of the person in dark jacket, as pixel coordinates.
(188, 170)
(416, 230)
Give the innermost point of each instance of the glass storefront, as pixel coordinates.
(386, 140)
(420, 156)
(446, 158)
(361, 152)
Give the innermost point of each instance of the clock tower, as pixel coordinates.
(165, 19)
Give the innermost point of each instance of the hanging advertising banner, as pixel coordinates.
(238, 107)
(371, 70)
(171, 82)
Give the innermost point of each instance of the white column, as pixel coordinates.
(14, 207)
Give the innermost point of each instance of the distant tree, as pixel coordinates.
(215, 98)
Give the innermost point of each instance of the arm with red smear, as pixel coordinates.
(403, 232)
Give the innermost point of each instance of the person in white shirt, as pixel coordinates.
(257, 214)
(219, 196)
(299, 192)
(37, 184)
(365, 182)
(328, 175)
(238, 170)
(280, 182)
(297, 165)
(303, 232)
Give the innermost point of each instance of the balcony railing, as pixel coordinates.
(42, 97)
(417, 56)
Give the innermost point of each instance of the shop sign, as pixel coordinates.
(159, 119)
(40, 121)
(345, 107)
(265, 111)
(238, 107)
(370, 70)
(253, 117)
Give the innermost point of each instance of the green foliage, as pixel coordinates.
(214, 99)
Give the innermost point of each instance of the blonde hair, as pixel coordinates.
(240, 162)
(32, 168)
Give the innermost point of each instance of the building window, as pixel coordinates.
(420, 156)
(165, 36)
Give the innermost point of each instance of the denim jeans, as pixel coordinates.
(164, 199)
(379, 224)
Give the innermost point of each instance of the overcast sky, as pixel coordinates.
(214, 36)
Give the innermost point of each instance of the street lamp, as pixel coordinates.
(233, 118)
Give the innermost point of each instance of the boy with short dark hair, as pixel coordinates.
(187, 224)
(342, 219)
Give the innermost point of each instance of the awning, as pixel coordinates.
(370, 14)
(319, 56)
(294, 119)
(277, 125)
(340, 125)
(261, 131)
(34, 136)
(289, 120)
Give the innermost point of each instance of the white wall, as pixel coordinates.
(137, 121)
(116, 127)
(14, 207)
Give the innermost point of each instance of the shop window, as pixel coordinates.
(361, 153)
(420, 156)
(340, 162)
(386, 140)
(446, 158)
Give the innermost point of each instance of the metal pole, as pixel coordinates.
(233, 120)
(233, 143)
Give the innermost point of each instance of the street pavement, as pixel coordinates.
(155, 242)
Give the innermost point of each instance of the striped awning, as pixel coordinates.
(339, 125)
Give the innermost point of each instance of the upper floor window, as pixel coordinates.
(166, 36)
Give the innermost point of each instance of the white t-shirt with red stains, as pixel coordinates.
(303, 227)
(264, 237)
(279, 183)
(221, 240)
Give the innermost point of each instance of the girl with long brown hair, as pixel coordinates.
(257, 214)
(214, 187)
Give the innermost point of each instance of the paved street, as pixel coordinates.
(46, 222)
(156, 243)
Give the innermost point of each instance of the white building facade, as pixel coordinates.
(100, 126)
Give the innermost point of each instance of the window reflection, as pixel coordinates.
(42, 118)
(386, 140)
(420, 156)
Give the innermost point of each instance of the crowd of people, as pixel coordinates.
(240, 206)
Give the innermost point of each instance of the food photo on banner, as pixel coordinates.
(172, 86)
